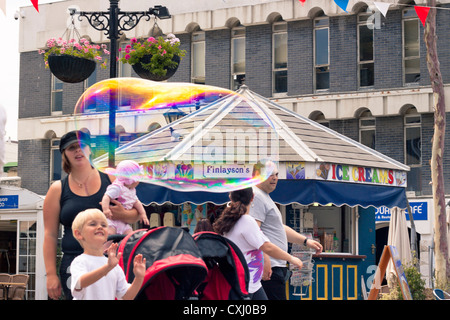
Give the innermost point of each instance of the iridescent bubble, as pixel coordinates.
(223, 142)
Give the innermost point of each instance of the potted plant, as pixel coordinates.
(154, 59)
(72, 61)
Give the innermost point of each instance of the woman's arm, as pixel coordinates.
(51, 211)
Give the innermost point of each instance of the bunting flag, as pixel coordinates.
(382, 7)
(422, 13)
(342, 4)
(35, 4)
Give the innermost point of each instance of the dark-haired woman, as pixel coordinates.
(237, 225)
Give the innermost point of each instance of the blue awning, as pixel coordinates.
(303, 192)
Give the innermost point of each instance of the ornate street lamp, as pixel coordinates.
(113, 22)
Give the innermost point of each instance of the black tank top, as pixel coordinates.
(72, 204)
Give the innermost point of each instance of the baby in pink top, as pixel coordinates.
(123, 190)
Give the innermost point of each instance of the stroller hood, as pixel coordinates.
(174, 263)
(228, 273)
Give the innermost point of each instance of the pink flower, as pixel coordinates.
(152, 40)
(164, 52)
(159, 47)
(120, 49)
(133, 40)
(127, 56)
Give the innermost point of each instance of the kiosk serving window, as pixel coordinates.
(334, 227)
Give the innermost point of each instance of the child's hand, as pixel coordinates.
(145, 221)
(113, 256)
(139, 266)
(108, 213)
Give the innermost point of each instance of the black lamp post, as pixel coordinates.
(173, 114)
(113, 22)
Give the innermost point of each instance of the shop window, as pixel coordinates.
(367, 129)
(27, 255)
(411, 46)
(365, 52)
(334, 227)
(237, 57)
(57, 96)
(321, 53)
(198, 58)
(279, 57)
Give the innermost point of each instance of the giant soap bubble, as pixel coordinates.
(223, 142)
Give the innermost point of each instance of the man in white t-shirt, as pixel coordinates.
(268, 217)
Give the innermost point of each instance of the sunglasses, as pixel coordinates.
(75, 146)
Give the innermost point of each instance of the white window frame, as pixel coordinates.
(237, 33)
(201, 39)
(277, 29)
(408, 14)
(53, 92)
(361, 24)
(364, 127)
(409, 126)
(327, 26)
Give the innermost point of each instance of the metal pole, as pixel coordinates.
(113, 37)
(113, 22)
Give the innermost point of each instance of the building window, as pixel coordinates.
(365, 52)
(319, 117)
(57, 95)
(198, 58)
(55, 161)
(411, 46)
(124, 69)
(237, 57)
(279, 57)
(92, 105)
(321, 53)
(413, 138)
(367, 129)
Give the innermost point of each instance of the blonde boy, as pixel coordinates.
(94, 276)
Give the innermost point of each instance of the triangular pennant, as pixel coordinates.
(35, 4)
(382, 7)
(302, 1)
(422, 13)
(342, 4)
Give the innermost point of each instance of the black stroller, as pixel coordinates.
(175, 267)
(228, 274)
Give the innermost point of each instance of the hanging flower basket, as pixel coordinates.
(70, 69)
(146, 74)
(154, 59)
(71, 61)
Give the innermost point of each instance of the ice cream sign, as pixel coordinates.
(346, 173)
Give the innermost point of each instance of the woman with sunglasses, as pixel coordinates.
(82, 188)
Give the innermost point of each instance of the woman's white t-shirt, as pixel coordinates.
(247, 235)
(112, 286)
